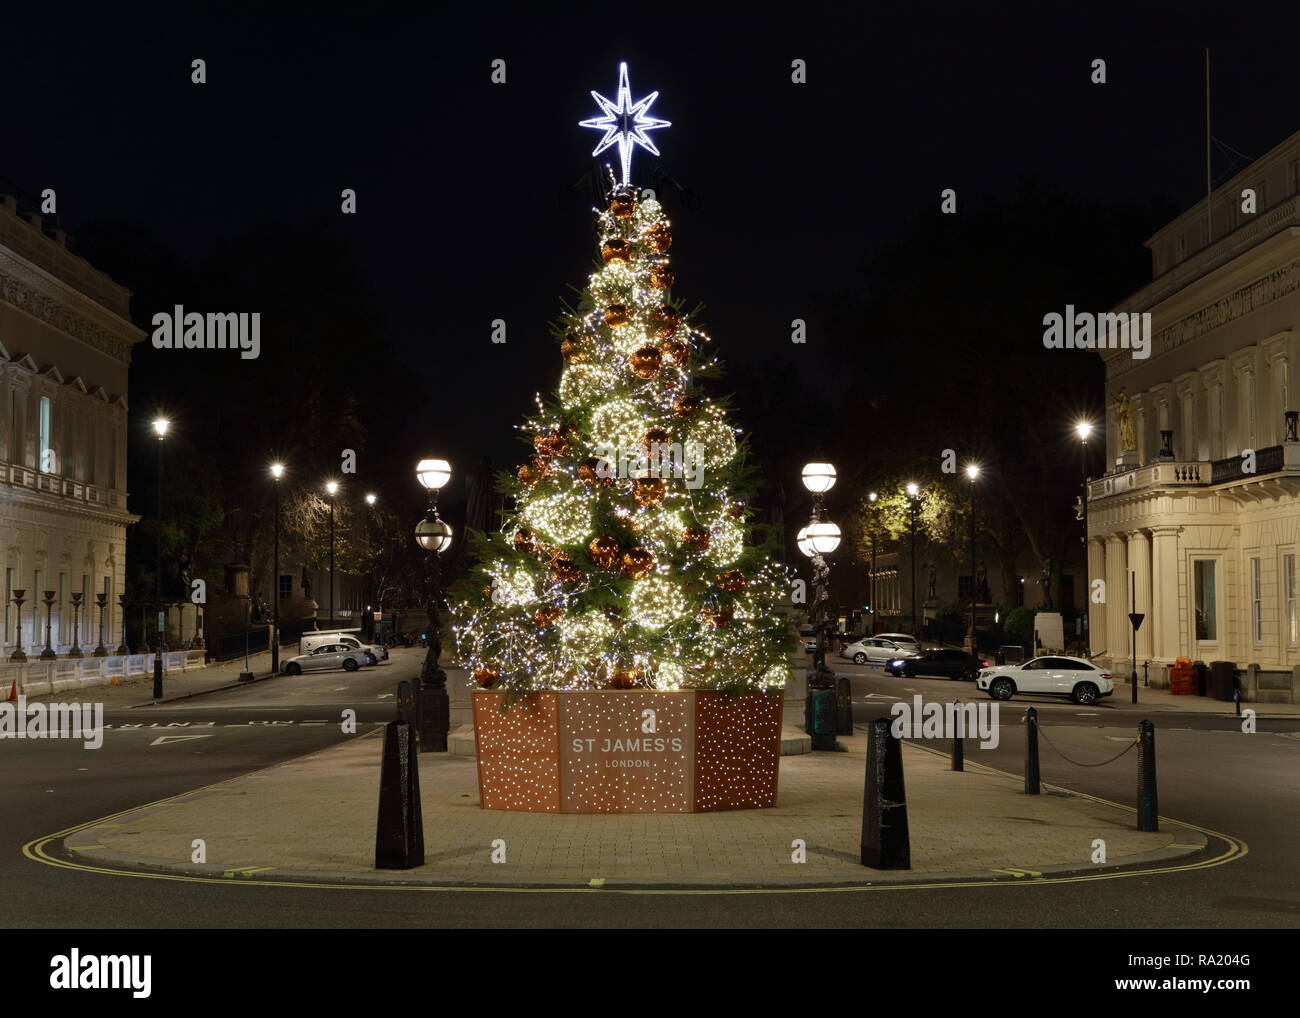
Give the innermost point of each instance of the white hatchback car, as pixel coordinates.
(1080, 680)
(876, 650)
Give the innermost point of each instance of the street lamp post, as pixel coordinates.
(368, 626)
(1083, 429)
(972, 472)
(871, 580)
(160, 427)
(48, 653)
(277, 471)
(75, 650)
(331, 489)
(433, 711)
(914, 499)
(818, 539)
(18, 656)
(101, 602)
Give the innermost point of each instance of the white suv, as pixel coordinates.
(1080, 680)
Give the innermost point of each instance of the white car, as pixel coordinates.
(1080, 680)
(903, 640)
(310, 641)
(331, 655)
(875, 650)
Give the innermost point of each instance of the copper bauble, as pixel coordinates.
(730, 580)
(571, 349)
(638, 562)
(675, 352)
(661, 277)
(623, 678)
(659, 238)
(547, 614)
(564, 569)
(524, 542)
(604, 552)
(686, 404)
(617, 315)
(552, 444)
(656, 437)
(645, 361)
(485, 677)
(648, 491)
(665, 321)
(528, 475)
(622, 207)
(718, 618)
(696, 539)
(616, 249)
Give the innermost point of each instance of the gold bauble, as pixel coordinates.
(547, 614)
(661, 277)
(623, 678)
(528, 475)
(485, 677)
(623, 206)
(718, 618)
(524, 542)
(656, 437)
(617, 315)
(638, 562)
(659, 238)
(564, 569)
(675, 352)
(616, 249)
(645, 361)
(604, 552)
(696, 539)
(552, 444)
(730, 580)
(572, 351)
(686, 404)
(648, 491)
(665, 321)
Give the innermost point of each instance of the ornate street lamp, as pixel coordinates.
(18, 656)
(277, 471)
(871, 506)
(101, 601)
(819, 538)
(1084, 429)
(331, 489)
(75, 650)
(914, 502)
(433, 711)
(972, 472)
(368, 626)
(160, 426)
(48, 653)
(122, 648)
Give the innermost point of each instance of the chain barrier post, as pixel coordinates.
(1031, 752)
(958, 761)
(885, 841)
(1147, 808)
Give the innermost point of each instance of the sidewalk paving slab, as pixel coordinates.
(312, 819)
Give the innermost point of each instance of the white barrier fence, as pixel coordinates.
(35, 677)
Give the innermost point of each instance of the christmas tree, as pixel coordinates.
(626, 561)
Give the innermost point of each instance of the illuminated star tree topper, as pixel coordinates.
(625, 123)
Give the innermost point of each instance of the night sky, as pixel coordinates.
(472, 201)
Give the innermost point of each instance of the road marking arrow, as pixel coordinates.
(164, 739)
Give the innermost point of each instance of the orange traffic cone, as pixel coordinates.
(13, 692)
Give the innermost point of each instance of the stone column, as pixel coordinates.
(1139, 561)
(1116, 599)
(1096, 612)
(1166, 639)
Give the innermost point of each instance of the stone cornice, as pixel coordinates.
(52, 301)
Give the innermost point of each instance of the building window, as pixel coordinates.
(286, 586)
(45, 454)
(1288, 587)
(1256, 603)
(1207, 616)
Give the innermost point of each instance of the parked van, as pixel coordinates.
(310, 641)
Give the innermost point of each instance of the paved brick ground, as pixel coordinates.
(315, 817)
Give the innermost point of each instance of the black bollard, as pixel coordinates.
(844, 704)
(405, 702)
(399, 835)
(1148, 809)
(885, 842)
(1236, 698)
(1031, 752)
(958, 752)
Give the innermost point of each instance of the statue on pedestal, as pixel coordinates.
(1045, 582)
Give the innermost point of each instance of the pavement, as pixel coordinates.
(312, 820)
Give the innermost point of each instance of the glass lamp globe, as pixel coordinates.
(824, 537)
(433, 474)
(432, 534)
(805, 545)
(818, 477)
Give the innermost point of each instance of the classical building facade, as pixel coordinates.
(1196, 523)
(65, 347)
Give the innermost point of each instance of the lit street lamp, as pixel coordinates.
(160, 426)
(433, 712)
(972, 472)
(368, 626)
(277, 471)
(871, 500)
(1083, 429)
(914, 500)
(819, 538)
(331, 489)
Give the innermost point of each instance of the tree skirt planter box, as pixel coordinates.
(627, 751)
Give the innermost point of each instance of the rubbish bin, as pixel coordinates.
(1202, 677)
(1223, 678)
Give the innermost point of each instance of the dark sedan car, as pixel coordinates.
(948, 664)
